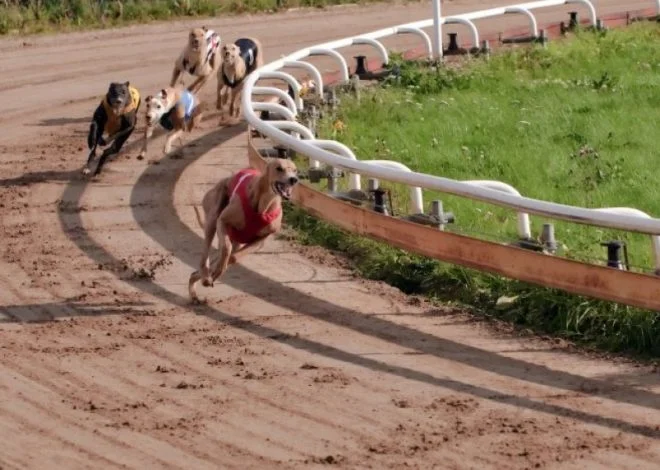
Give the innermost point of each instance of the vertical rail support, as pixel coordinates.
(590, 7)
(437, 30)
(380, 205)
(614, 254)
(438, 214)
(469, 24)
(655, 239)
(548, 238)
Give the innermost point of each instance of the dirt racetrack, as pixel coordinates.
(293, 363)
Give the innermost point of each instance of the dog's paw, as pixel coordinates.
(207, 282)
(86, 171)
(197, 301)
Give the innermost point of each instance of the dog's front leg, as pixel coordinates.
(203, 273)
(148, 132)
(225, 245)
(170, 138)
(198, 84)
(176, 73)
(236, 102)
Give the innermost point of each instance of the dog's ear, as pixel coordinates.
(204, 28)
(148, 98)
(163, 92)
(127, 84)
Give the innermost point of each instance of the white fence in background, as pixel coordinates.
(335, 154)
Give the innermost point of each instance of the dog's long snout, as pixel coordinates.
(293, 180)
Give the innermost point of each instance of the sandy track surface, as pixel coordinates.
(293, 363)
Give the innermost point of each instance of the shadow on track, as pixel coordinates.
(171, 234)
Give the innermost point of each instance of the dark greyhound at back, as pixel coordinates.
(116, 117)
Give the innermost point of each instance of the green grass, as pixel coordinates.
(576, 122)
(37, 16)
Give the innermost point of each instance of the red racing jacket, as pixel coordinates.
(254, 221)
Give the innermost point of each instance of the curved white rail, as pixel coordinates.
(524, 229)
(379, 47)
(337, 156)
(416, 198)
(419, 32)
(467, 22)
(275, 108)
(287, 77)
(533, 25)
(343, 66)
(318, 79)
(281, 94)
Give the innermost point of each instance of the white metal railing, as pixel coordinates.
(294, 135)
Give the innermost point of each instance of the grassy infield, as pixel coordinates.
(576, 123)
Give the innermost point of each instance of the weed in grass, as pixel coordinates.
(575, 123)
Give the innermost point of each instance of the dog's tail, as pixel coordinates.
(199, 218)
(259, 59)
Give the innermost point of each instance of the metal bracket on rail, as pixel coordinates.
(454, 49)
(277, 151)
(438, 218)
(380, 204)
(332, 175)
(546, 244)
(363, 72)
(573, 23)
(614, 254)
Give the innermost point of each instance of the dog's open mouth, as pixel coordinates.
(284, 189)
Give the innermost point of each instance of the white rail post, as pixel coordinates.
(437, 30)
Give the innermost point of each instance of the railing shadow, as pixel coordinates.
(171, 234)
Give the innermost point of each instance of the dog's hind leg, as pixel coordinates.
(176, 73)
(195, 118)
(148, 132)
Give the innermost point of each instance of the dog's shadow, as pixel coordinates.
(63, 121)
(41, 177)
